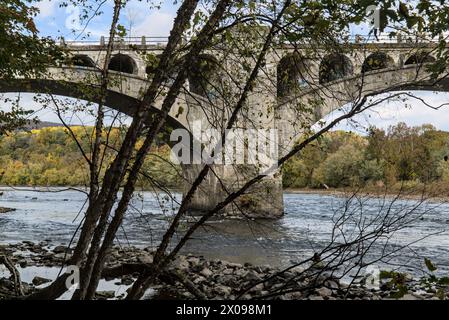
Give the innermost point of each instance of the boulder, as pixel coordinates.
(102, 295)
(324, 292)
(60, 249)
(145, 258)
(6, 210)
(193, 260)
(181, 263)
(223, 290)
(252, 276)
(206, 272)
(37, 281)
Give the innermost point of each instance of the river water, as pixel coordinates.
(305, 228)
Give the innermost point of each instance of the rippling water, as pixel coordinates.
(305, 228)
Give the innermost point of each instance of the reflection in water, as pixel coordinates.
(304, 229)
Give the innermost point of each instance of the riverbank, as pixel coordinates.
(431, 195)
(194, 277)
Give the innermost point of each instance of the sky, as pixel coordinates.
(142, 16)
(146, 19)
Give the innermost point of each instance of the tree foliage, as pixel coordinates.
(399, 154)
(23, 53)
(50, 157)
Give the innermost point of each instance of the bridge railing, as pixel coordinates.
(397, 38)
(162, 41)
(103, 41)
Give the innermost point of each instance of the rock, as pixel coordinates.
(316, 298)
(199, 279)
(409, 296)
(101, 295)
(62, 256)
(181, 263)
(37, 281)
(227, 279)
(293, 296)
(193, 260)
(240, 273)
(234, 265)
(258, 288)
(223, 290)
(332, 284)
(6, 210)
(228, 271)
(252, 276)
(206, 272)
(127, 280)
(324, 292)
(145, 258)
(60, 249)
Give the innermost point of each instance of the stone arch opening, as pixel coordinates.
(152, 64)
(82, 60)
(123, 63)
(377, 61)
(291, 71)
(335, 66)
(205, 76)
(419, 58)
(152, 61)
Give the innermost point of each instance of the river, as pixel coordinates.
(305, 228)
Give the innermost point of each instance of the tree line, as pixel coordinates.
(401, 155)
(51, 157)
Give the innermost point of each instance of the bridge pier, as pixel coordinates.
(263, 200)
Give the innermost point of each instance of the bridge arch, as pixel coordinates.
(377, 61)
(291, 74)
(123, 95)
(123, 63)
(205, 76)
(335, 66)
(419, 57)
(82, 60)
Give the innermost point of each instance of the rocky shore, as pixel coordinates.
(194, 277)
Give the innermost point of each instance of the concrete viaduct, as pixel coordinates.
(285, 98)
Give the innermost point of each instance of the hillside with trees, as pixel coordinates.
(400, 155)
(396, 157)
(51, 157)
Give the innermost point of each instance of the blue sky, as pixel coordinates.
(146, 20)
(143, 16)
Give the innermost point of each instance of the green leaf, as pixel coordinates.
(430, 266)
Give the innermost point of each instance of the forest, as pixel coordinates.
(399, 156)
(51, 157)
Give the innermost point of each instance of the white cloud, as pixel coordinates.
(46, 7)
(412, 112)
(155, 24)
(46, 111)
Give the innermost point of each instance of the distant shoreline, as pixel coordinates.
(379, 193)
(339, 192)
